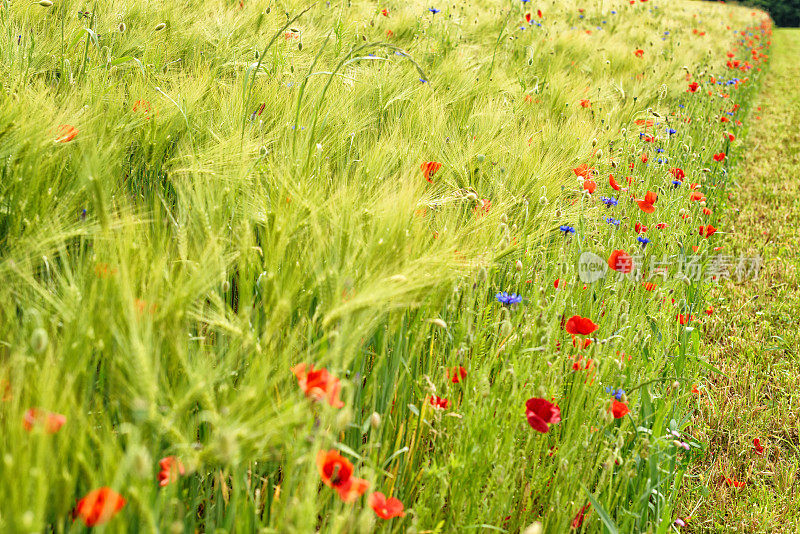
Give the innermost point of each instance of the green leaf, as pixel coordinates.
(601, 512)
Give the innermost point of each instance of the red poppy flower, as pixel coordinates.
(734, 483)
(336, 472)
(647, 204)
(707, 231)
(527, 17)
(52, 422)
(639, 52)
(439, 402)
(98, 506)
(678, 173)
(620, 261)
(649, 286)
(693, 87)
(429, 168)
(318, 384)
(685, 319)
(457, 374)
(541, 413)
(170, 468)
(385, 12)
(385, 508)
(757, 445)
(619, 409)
(585, 103)
(539, 13)
(577, 522)
(719, 157)
(66, 133)
(590, 186)
(580, 326)
(584, 170)
(731, 137)
(613, 183)
(640, 228)
(697, 196)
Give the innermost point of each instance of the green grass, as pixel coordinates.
(244, 194)
(754, 336)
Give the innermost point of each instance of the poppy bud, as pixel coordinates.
(122, 27)
(226, 286)
(160, 26)
(39, 340)
(518, 265)
(676, 385)
(438, 322)
(504, 243)
(543, 200)
(45, 3)
(594, 142)
(375, 420)
(534, 528)
(599, 154)
(558, 214)
(480, 158)
(504, 218)
(472, 197)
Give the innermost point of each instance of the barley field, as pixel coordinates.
(362, 266)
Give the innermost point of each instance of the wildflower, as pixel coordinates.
(98, 506)
(508, 299)
(52, 422)
(707, 231)
(590, 186)
(609, 201)
(693, 87)
(734, 483)
(672, 131)
(582, 326)
(643, 240)
(566, 229)
(640, 228)
(616, 393)
(719, 157)
(336, 472)
(646, 205)
(648, 286)
(577, 522)
(620, 261)
(585, 103)
(433, 10)
(66, 133)
(541, 413)
(457, 374)
(429, 168)
(438, 402)
(613, 183)
(385, 12)
(170, 467)
(611, 220)
(680, 522)
(639, 53)
(619, 409)
(385, 508)
(318, 384)
(584, 170)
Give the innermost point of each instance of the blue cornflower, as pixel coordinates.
(616, 393)
(660, 150)
(612, 220)
(508, 299)
(672, 131)
(566, 229)
(676, 183)
(609, 201)
(433, 10)
(681, 106)
(613, 12)
(643, 240)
